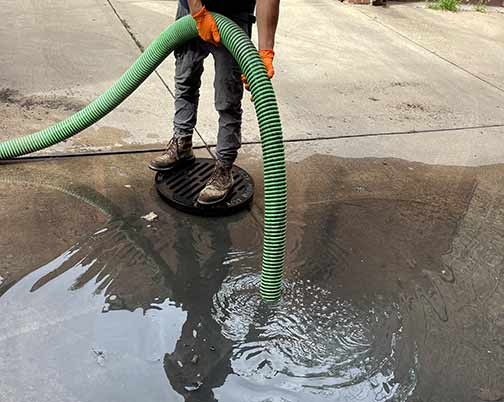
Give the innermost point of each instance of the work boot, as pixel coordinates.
(178, 152)
(218, 186)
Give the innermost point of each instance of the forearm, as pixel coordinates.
(195, 5)
(267, 12)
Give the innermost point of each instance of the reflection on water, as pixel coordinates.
(393, 292)
(82, 314)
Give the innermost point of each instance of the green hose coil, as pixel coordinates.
(242, 49)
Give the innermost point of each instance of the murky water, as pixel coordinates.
(393, 292)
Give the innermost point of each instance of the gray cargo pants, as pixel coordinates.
(227, 86)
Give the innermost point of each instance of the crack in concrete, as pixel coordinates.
(381, 134)
(392, 133)
(207, 146)
(404, 36)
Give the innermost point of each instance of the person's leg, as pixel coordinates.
(188, 70)
(228, 96)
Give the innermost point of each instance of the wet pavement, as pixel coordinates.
(393, 286)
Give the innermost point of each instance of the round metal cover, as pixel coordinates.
(181, 187)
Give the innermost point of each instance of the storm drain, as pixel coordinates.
(180, 188)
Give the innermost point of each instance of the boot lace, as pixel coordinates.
(171, 148)
(219, 176)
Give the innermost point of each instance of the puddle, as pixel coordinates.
(312, 346)
(393, 291)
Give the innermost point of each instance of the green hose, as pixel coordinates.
(242, 49)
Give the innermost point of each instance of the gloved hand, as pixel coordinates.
(267, 56)
(207, 27)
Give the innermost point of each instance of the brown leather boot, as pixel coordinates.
(178, 152)
(218, 186)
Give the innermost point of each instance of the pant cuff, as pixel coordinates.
(226, 161)
(182, 134)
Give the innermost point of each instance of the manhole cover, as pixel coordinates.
(181, 187)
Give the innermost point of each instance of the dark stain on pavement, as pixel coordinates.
(14, 97)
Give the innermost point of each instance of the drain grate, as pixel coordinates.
(180, 188)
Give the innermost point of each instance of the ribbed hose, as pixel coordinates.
(240, 46)
(180, 32)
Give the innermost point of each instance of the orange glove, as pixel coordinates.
(267, 56)
(207, 27)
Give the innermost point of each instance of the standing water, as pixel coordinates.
(393, 290)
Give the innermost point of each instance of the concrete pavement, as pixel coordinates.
(341, 71)
(58, 56)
